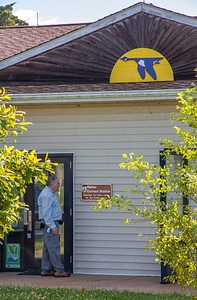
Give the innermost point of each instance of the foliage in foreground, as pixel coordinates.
(164, 191)
(21, 293)
(17, 167)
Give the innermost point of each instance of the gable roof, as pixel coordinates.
(88, 54)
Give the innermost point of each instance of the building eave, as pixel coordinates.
(95, 26)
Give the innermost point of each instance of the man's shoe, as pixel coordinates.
(62, 274)
(47, 273)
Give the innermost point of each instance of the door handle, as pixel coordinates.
(29, 227)
(25, 220)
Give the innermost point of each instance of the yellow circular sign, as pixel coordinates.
(141, 65)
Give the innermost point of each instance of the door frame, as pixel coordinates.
(31, 264)
(165, 269)
(67, 159)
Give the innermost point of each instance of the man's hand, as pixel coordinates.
(55, 230)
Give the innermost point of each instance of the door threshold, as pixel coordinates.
(30, 272)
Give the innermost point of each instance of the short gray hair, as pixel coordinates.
(51, 180)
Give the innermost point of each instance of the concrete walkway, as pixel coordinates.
(143, 284)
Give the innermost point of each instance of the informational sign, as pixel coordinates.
(93, 192)
(12, 257)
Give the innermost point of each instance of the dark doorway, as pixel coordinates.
(27, 235)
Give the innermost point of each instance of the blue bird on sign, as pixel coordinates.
(145, 65)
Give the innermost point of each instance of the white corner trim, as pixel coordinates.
(170, 15)
(94, 97)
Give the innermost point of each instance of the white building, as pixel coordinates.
(86, 117)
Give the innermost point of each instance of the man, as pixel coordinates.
(50, 213)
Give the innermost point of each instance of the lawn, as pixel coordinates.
(26, 293)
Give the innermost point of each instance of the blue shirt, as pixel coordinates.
(49, 207)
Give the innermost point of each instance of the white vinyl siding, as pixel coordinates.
(98, 135)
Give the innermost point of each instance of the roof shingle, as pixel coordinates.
(15, 40)
(31, 88)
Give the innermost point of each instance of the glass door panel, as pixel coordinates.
(38, 240)
(38, 232)
(33, 233)
(59, 171)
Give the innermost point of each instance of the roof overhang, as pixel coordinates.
(109, 20)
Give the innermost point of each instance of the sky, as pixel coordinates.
(49, 12)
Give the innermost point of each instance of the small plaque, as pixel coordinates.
(93, 192)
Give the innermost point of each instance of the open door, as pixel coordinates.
(27, 234)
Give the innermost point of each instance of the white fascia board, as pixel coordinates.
(170, 15)
(94, 97)
(109, 20)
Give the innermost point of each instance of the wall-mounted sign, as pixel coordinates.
(141, 65)
(12, 256)
(93, 192)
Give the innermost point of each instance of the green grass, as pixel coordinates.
(26, 293)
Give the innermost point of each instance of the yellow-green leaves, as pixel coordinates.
(12, 122)
(17, 167)
(157, 194)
